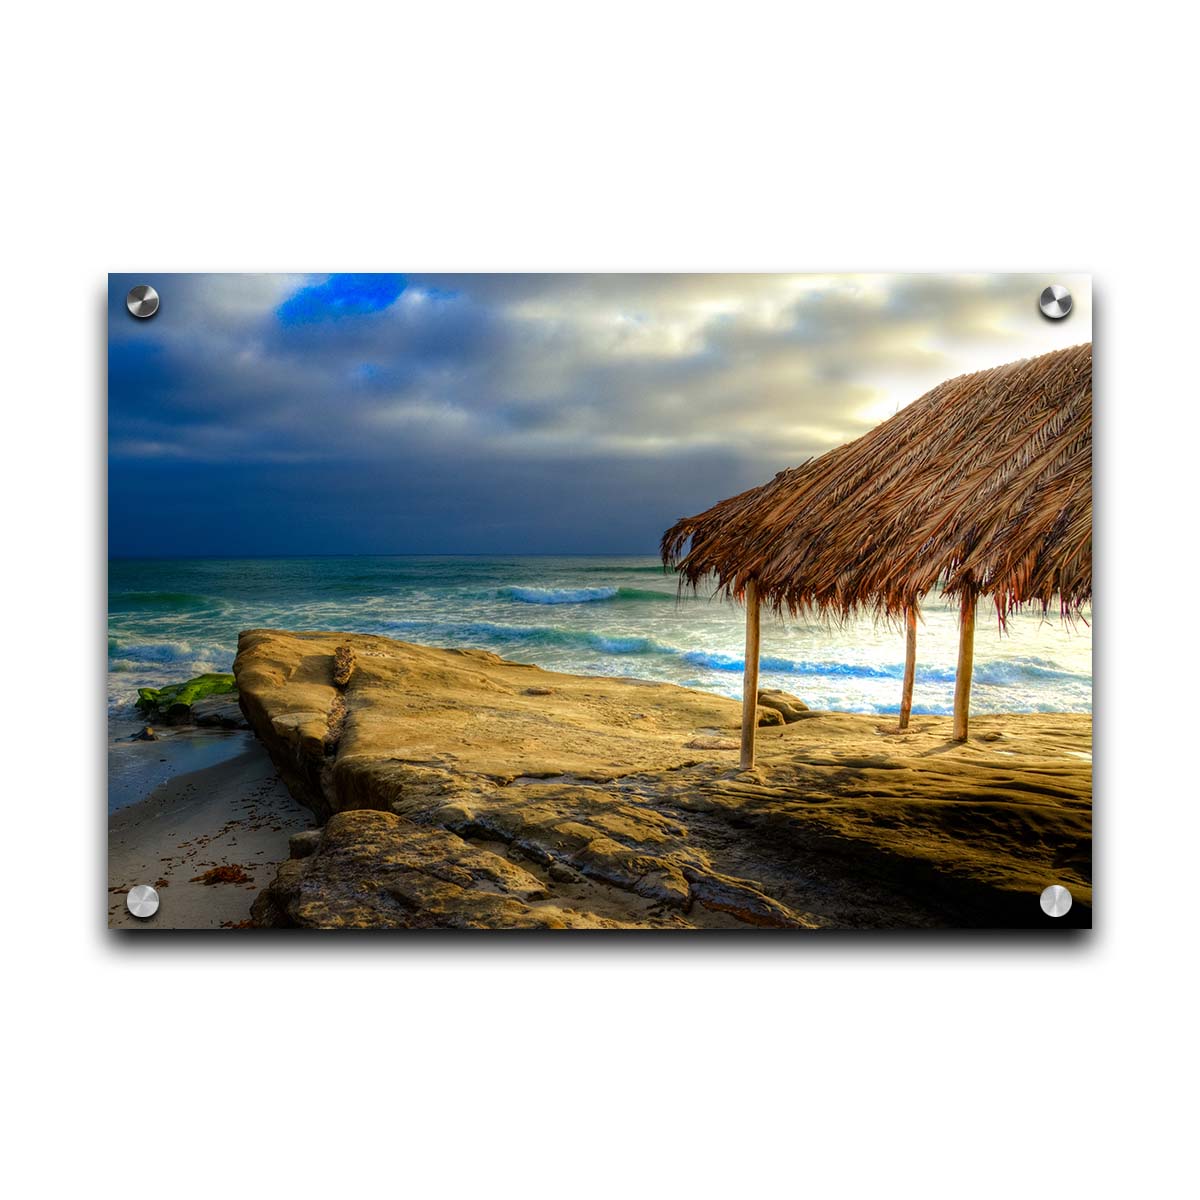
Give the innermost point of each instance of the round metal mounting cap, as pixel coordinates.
(142, 901)
(142, 301)
(1056, 901)
(1055, 301)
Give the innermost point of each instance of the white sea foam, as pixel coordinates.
(547, 595)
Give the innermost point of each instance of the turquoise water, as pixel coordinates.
(171, 619)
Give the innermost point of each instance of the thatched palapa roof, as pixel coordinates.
(984, 483)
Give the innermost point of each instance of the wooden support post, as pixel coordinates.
(910, 664)
(750, 677)
(966, 660)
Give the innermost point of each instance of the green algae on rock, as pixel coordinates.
(174, 701)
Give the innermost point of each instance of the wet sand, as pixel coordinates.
(235, 813)
(137, 768)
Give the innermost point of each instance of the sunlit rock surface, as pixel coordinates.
(458, 790)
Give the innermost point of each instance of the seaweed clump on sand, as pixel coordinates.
(233, 873)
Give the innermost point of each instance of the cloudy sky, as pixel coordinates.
(509, 414)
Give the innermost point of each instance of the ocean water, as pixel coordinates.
(170, 619)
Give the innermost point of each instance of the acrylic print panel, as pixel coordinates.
(549, 602)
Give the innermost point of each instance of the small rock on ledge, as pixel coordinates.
(790, 708)
(301, 845)
(221, 712)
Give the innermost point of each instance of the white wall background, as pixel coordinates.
(601, 136)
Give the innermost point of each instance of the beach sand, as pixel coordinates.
(235, 812)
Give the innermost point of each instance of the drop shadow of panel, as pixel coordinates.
(634, 946)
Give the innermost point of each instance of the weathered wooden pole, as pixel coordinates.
(750, 677)
(966, 660)
(910, 664)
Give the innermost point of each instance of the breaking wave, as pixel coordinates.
(584, 595)
(997, 673)
(132, 656)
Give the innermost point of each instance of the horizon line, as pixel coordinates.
(393, 554)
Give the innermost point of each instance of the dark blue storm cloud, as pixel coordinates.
(271, 414)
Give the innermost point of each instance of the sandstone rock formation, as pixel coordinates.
(460, 790)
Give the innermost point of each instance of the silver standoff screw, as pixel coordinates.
(1055, 302)
(142, 301)
(143, 901)
(1056, 901)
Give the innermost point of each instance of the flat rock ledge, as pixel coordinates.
(377, 870)
(454, 789)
